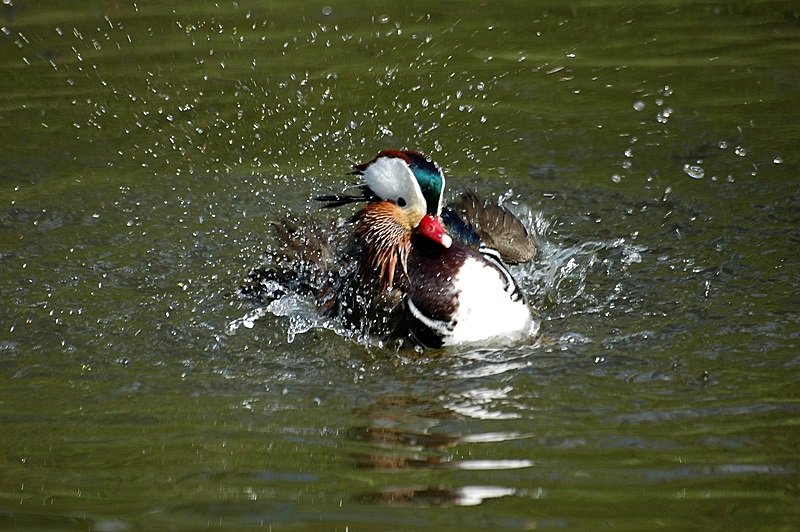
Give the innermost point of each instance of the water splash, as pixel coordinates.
(695, 171)
(301, 312)
(561, 275)
(303, 316)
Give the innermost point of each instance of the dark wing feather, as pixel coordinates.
(306, 257)
(496, 226)
(337, 200)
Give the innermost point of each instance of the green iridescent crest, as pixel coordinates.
(430, 179)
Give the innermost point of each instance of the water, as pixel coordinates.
(652, 150)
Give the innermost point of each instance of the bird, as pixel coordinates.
(405, 266)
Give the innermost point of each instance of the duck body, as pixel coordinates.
(460, 296)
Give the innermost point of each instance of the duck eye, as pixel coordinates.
(401, 202)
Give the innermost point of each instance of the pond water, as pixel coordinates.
(652, 149)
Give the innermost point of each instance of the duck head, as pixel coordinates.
(407, 190)
(428, 175)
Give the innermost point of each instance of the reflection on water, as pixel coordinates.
(391, 446)
(478, 403)
(427, 496)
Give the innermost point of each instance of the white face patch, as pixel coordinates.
(390, 178)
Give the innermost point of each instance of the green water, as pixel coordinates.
(652, 149)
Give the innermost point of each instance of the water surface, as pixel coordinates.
(652, 150)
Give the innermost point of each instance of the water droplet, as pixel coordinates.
(616, 178)
(638, 106)
(327, 11)
(695, 171)
(740, 151)
(777, 159)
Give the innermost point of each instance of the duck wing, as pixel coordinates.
(305, 256)
(495, 225)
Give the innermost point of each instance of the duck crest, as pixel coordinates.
(430, 179)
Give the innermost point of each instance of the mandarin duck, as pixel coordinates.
(404, 266)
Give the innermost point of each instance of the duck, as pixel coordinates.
(406, 266)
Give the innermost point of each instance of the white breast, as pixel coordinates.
(486, 308)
